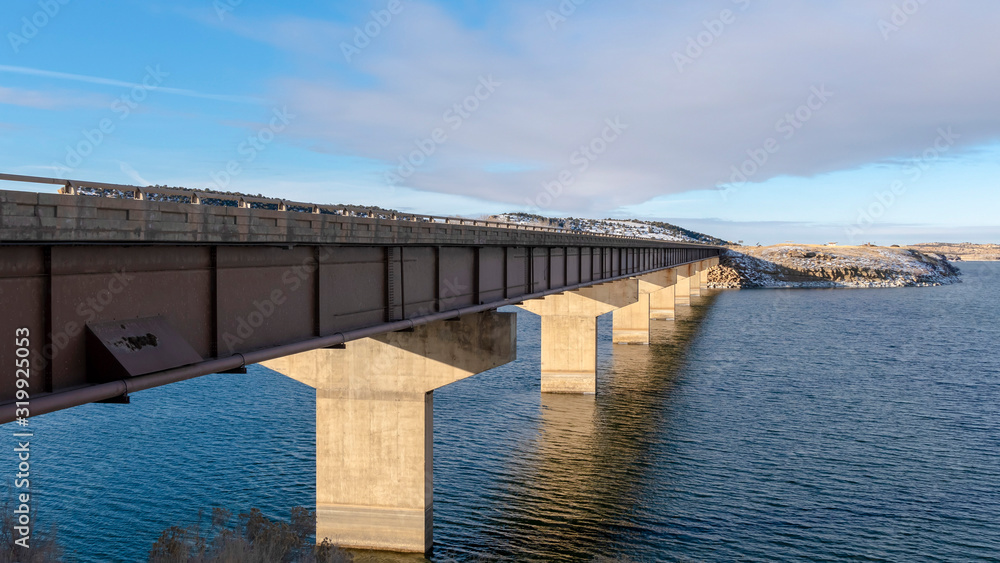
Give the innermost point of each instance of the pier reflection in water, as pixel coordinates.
(583, 482)
(554, 477)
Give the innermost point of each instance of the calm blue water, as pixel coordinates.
(767, 425)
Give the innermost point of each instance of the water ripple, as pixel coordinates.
(776, 425)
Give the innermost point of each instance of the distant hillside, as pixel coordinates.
(207, 199)
(961, 251)
(622, 227)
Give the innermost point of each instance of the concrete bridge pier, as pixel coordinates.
(662, 302)
(695, 280)
(374, 424)
(569, 332)
(703, 268)
(631, 323)
(686, 284)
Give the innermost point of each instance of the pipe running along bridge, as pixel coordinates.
(106, 296)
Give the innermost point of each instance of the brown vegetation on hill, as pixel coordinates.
(963, 251)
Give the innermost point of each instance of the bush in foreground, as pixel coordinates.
(43, 548)
(254, 539)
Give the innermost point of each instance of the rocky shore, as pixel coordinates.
(784, 266)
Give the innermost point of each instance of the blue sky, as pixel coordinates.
(762, 121)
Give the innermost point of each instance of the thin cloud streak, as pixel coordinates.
(121, 83)
(46, 100)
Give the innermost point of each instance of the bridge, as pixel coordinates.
(109, 290)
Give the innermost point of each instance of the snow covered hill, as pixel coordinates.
(622, 227)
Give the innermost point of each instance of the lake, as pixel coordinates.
(761, 425)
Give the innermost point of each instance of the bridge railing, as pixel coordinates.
(201, 197)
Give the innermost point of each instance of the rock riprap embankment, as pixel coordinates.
(829, 266)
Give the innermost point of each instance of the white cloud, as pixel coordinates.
(686, 129)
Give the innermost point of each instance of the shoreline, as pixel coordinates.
(797, 266)
(974, 260)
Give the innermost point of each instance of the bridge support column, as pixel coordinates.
(631, 323)
(569, 333)
(374, 424)
(695, 279)
(703, 268)
(661, 303)
(685, 286)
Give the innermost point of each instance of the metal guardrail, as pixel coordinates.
(200, 197)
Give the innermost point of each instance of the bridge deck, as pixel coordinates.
(243, 285)
(36, 217)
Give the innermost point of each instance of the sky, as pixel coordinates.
(762, 121)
